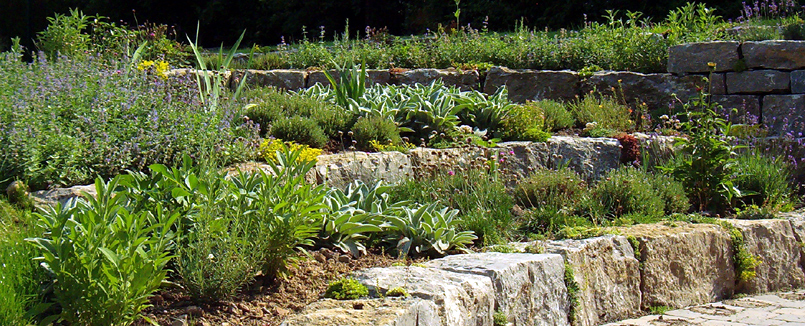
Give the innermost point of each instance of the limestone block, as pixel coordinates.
(775, 244)
(339, 170)
(367, 312)
(783, 114)
(656, 90)
(280, 78)
(429, 160)
(529, 288)
(464, 80)
(373, 77)
(608, 276)
(785, 55)
(525, 85)
(758, 82)
(589, 157)
(684, 264)
(693, 57)
(462, 299)
(62, 195)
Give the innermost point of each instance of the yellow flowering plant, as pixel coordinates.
(269, 148)
(159, 67)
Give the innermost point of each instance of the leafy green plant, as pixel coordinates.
(484, 113)
(557, 117)
(20, 275)
(499, 319)
(375, 128)
(65, 35)
(397, 292)
(427, 230)
(351, 85)
(744, 261)
(562, 188)
(708, 162)
(301, 130)
(573, 290)
(603, 110)
(524, 122)
(211, 81)
(626, 191)
(346, 289)
(106, 261)
(768, 179)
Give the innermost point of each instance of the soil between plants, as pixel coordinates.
(265, 302)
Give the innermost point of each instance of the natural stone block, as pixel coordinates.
(683, 264)
(656, 90)
(694, 57)
(429, 160)
(785, 55)
(464, 80)
(783, 114)
(386, 312)
(776, 246)
(462, 299)
(529, 288)
(758, 82)
(589, 157)
(339, 170)
(608, 276)
(747, 106)
(373, 77)
(525, 85)
(718, 84)
(798, 82)
(281, 78)
(62, 195)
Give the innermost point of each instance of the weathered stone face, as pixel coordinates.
(758, 82)
(656, 90)
(525, 85)
(464, 80)
(386, 312)
(339, 170)
(608, 276)
(784, 114)
(693, 57)
(784, 55)
(684, 265)
(798, 82)
(374, 77)
(718, 84)
(591, 158)
(281, 78)
(462, 299)
(775, 244)
(62, 195)
(529, 288)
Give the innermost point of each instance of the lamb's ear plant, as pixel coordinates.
(428, 230)
(105, 261)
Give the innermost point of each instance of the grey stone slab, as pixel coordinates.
(758, 82)
(280, 78)
(694, 57)
(798, 82)
(786, 55)
(784, 114)
(462, 79)
(743, 109)
(656, 90)
(373, 77)
(524, 85)
(718, 84)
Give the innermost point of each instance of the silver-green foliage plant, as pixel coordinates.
(428, 230)
(352, 215)
(106, 261)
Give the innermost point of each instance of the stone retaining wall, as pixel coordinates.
(765, 79)
(675, 265)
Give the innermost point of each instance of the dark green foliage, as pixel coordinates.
(626, 191)
(300, 130)
(20, 276)
(551, 188)
(557, 117)
(572, 293)
(272, 105)
(604, 111)
(346, 289)
(767, 181)
(375, 128)
(483, 203)
(671, 192)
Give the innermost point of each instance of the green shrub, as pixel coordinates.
(375, 128)
(557, 117)
(346, 289)
(625, 191)
(65, 35)
(301, 130)
(561, 189)
(397, 292)
(573, 290)
(482, 201)
(605, 111)
(523, 122)
(270, 105)
(671, 191)
(766, 180)
(105, 260)
(20, 275)
(426, 230)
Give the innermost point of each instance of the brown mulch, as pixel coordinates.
(265, 302)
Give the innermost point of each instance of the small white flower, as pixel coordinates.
(664, 117)
(210, 256)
